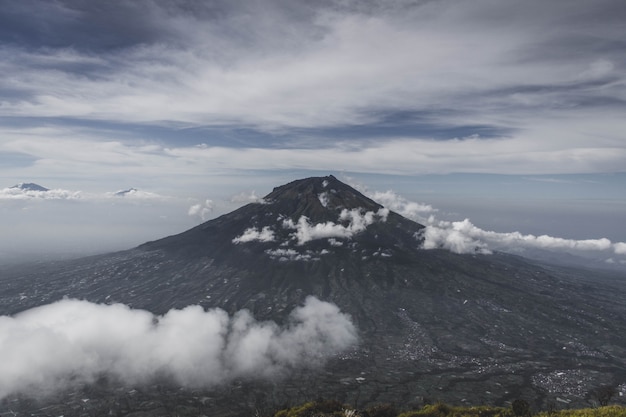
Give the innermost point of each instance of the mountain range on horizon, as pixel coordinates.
(462, 328)
(31, 186)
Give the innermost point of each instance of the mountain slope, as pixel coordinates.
(484, 328)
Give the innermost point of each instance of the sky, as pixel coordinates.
(508, 114)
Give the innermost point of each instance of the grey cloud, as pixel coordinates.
(73, 342)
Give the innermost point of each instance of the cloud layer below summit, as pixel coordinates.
(55, 346)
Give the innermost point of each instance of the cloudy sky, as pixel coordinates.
(510, 114)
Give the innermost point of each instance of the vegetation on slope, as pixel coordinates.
(519, 408)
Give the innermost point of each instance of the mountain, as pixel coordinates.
(29, 186)
(433, 325)
(122, 193)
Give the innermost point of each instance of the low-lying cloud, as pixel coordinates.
(71, 342)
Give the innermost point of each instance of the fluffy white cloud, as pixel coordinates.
(409, 209)
(357, 221)
(620, 248)
(465, 237)
(201, 210)
(56, 194)
(451, 238)
(253, 234)
(71, 341)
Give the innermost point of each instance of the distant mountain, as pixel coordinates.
(433, 325)
(122, 193)
(29, 186)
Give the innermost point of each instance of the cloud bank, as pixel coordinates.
(72, 342)
(465, 237)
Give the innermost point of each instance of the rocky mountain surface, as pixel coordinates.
(433, 325)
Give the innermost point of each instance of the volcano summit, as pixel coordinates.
(432, 324)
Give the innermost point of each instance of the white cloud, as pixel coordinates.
(56, 194)
(201, 210)
(452, 239)
(253, 234)
(409, 209)
(357, 221)
(73, 342)
(465, 237)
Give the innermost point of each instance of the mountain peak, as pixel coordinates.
(29, 186)
(311, 219)
(318, 198)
